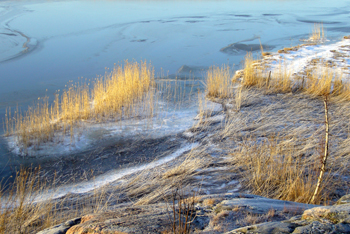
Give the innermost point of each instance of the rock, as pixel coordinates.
(336, 213)
(271, 227)
(238, 75)
(211, 211)
(154, 218)
(239, 47)
(192, 69)
(343, 200)
(61, 228)
(314, 227)
(262, 205)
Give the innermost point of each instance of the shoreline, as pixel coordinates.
(130, 177)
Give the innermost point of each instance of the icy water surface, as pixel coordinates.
(44, 44)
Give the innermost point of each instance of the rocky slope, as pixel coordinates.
(143, 202)
(215, 213)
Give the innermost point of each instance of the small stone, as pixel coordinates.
(343, 200)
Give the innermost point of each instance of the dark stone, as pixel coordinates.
(342, 228)
(61, 228)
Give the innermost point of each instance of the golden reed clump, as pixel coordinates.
(124, 92)
(219, 82)
(318, 34)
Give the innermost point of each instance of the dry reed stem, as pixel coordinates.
(325, 156)
(238, 97)
(183, 210)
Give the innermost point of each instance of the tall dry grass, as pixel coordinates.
(120, 93)
(278, 142)
(218, 82)
(318, 33)
(280, 80)
(272, 169)
(320, 80)
(325, 81)
(256, 74)
(253, 73)
(124, 92)
(22, 212)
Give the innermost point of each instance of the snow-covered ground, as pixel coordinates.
(333, 56)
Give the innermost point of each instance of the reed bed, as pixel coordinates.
(276, 156)
(124, 92)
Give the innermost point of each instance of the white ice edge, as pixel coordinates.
(165, 123)
(109, 177)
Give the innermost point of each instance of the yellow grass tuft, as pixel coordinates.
(318, 34)
(288, 49)
(219, 82)
(118, 93)
(253, 72)
(258, 75)
(324, 81)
